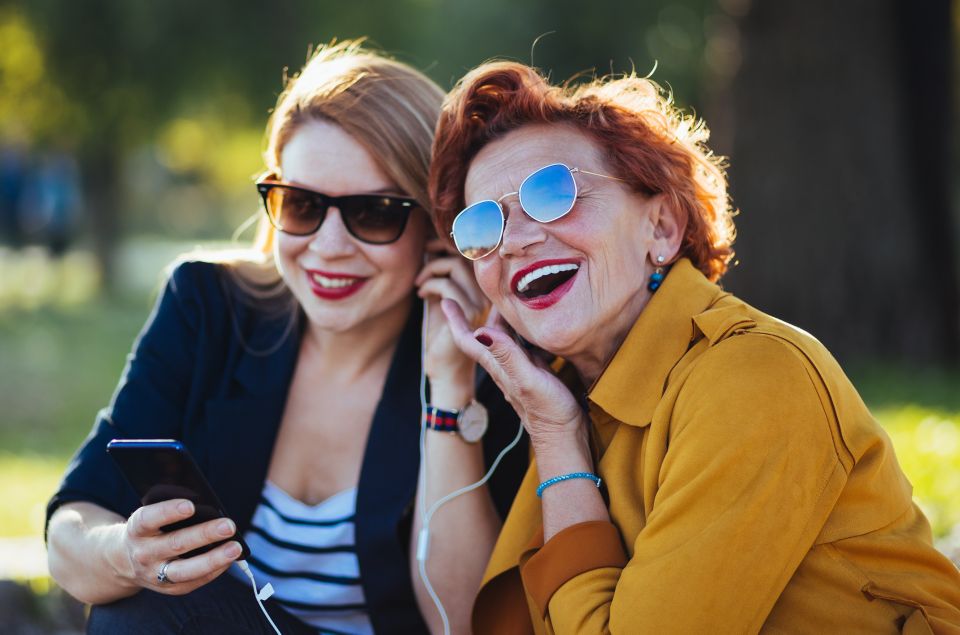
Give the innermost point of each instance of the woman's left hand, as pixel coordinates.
(448, 275)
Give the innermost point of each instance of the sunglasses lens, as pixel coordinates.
(293, 211)
(548, 193)
(375, 219)
(477, 229)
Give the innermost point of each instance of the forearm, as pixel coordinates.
(573, 501)
(461, 533)
(83, 554)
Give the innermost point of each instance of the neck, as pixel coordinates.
(348, 355)
(592, 357)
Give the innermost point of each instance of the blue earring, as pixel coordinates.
(656, 278)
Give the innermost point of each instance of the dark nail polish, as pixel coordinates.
(484, 339)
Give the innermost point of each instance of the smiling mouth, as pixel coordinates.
(543, 280)
(334, 283)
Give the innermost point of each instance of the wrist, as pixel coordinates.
(561, 439)
(562, 454)
(116, 555)
(450, 393)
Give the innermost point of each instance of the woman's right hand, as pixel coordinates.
(144, 549)
(547, 408)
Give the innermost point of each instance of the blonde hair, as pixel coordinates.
(385, 105)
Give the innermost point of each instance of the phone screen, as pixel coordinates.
(162, 469)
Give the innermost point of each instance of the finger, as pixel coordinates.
(513, 361)
(433, 269)
(147, 520)
(445, 268)
(495, 319)
(475, 344)
(188, 587)
(179, 542)
(458, 323)
(203, 565)
(445, 288)
(462, 332)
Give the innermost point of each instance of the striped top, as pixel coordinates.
(308, 553)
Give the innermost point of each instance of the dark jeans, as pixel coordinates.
(224, 606)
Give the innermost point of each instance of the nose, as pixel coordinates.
(332, 237)
(519, 231)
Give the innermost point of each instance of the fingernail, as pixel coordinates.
(484, 339)
(186, 507)
(225, 528)
(233, 550)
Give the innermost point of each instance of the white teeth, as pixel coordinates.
(525, 281)
(333, 283)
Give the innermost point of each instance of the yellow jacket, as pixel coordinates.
(749, 490)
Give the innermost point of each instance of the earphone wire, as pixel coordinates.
(426, 515)
(260, 595)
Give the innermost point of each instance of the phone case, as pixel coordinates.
(163, 469)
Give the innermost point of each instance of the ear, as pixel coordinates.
(669, 225)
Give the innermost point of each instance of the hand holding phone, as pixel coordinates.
(182, 529)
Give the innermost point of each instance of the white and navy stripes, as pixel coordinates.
(308, 553)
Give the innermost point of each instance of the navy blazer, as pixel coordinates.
(210, 370)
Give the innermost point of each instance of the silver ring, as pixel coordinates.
(162, 574)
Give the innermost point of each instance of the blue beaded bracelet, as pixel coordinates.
(566, 477)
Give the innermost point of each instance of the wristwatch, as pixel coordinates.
(470, 422)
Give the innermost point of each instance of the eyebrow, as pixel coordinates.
(387, 190)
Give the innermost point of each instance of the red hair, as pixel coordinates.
(645, 139)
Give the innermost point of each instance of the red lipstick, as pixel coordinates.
(543, 301)
(350, 284)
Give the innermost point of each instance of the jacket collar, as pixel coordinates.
(634, 380)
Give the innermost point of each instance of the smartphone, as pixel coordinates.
(162, 469)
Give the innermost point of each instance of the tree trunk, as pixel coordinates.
(101, 182)
(840, 159)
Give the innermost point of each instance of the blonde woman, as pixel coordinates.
(292, 377)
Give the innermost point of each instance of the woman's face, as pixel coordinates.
(340, 282)
(608, 237)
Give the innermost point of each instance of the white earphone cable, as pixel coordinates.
(261, 595)
(426, 515)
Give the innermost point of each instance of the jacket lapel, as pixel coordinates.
(241, 423)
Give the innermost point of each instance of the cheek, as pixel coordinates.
(487, 273)
(400, 262)
(285, 250)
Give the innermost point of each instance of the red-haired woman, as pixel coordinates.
(699, 465)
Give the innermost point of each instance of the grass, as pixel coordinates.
(59, 367)
(927, 442)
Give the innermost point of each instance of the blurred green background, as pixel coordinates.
(131, 131)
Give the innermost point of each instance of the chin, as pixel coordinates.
(558, 341)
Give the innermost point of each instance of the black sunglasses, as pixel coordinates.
(370, 218)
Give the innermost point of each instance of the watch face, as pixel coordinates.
(473, 422)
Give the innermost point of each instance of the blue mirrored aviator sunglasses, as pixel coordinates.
(545, 196)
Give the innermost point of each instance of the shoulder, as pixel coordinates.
(757, 383)
(210, 286)
(194, 297)
(188, 277)
(749, 364)
(750, 351)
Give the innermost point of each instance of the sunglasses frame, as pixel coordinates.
(407, 205)
(518, 193)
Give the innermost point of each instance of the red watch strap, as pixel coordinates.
(442, 420)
